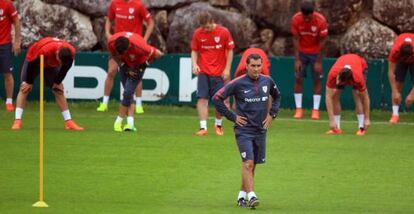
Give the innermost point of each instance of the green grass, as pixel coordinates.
(164, 168)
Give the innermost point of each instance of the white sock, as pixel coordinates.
(316, 101)
(250, 195)
(105, 99)
(360, 120)
(298, 100)
(203, 124)
(218, 122)
(242, 194)
(395, 110)
(9, 100)
(66, 115)
(338, 121)
(18, 113)
(130, 120)
(119, 119)
(138, 101)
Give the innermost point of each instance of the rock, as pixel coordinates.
(398, 15)
(40, 20)
(282, 46)
(340, 14)
(161, 21)
(167, 4)
(157, 40)
(368, 38)
(93, 8)
(185, 20)
(98, 25)
(221, 3)
(333, 46)
(265, 41)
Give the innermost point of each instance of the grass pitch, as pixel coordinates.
(164, 168)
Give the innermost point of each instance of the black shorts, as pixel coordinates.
(6, 58)
(401, 70)
(308, 59)
(251, 144)
(207, 86)
(31, 70)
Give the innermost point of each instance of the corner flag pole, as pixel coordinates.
(41, 202)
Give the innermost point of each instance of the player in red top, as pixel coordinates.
(126, 15)
(348, 70)
(309, 31)
(58, 59)
(211, 56)
(8, 15)
(400, 62)
(132, 54)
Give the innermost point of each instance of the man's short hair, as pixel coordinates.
(307, 7)
(205, 17)
(65, 55)
(121, 44)
(345, 75)
(406, 50)
(254, 57)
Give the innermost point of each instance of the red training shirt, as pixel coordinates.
(309, 33)
(241, 68)
(128, 16)
(48, 47)
(395, 50)
(8, 14)
(212, 48)
(357, 65)
(138, 51)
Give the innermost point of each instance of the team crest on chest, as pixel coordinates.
(264, 88)
(313, 28)
(131, 10)
(217, 39)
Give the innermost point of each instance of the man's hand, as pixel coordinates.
(367, 123)
(196, 69)
(298, 65)
(25, 87)
(332, 124)
(226, 74)
(409, 100)
(57, 88)
(241, 121)
(16, 48)
(108, 35)
(267, 121)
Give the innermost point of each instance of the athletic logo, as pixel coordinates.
(217, 39)
(264, 88)
(203, 40)
(405, 40)
(313, 28)
(246, 91)
(243, 154)
(131, 10)
(128, 34)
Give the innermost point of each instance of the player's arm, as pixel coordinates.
(194, 59)
(62, 73)
(364, 96)
(150, 29)
(298, 64)
(229, 60)
(17, 37)
(108, 25)
(330, 94)
(220, 97)
(274, 109)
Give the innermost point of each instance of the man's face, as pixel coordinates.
(209, 26)
(308, 17)
(254, 68)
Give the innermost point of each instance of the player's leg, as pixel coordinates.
(400, 73)
(138, 99)
(298, 87)
(317, 75)
(130, 126)
(245, 145)
(259, 151)
(6, 68)
(216, 83)
(360, 112)
(109, 82)
(409, 100)
(202, 102)
(336, 110)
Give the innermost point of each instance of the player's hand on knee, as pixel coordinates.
(57, 88)
(25, 87)
(240, 120)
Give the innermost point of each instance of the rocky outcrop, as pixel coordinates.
(167, 4)
(92, 8)
(185, 20)
(398, 15)
(40, 20)
(368, 38)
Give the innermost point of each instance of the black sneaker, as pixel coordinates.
(241, 202)
(254, 202)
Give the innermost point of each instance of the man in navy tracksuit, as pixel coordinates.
(252, 118)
